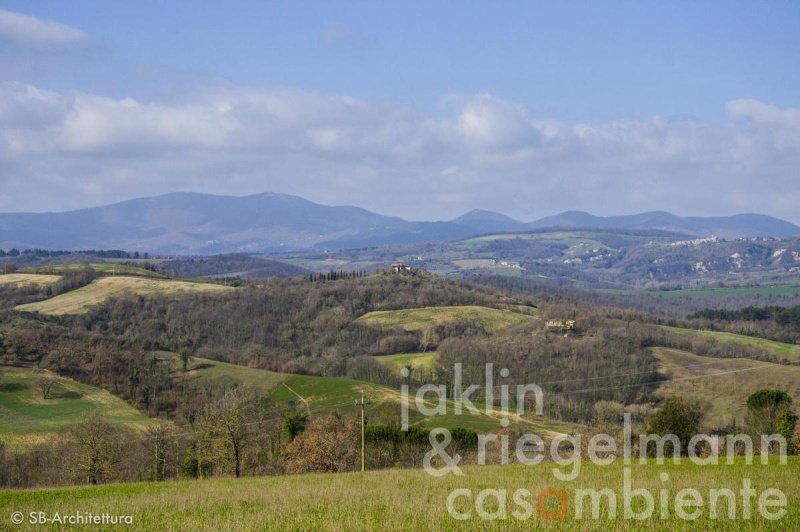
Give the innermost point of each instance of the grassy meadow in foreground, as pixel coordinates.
(408, 499)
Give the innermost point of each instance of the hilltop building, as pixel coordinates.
(561, 325)
(399, 267)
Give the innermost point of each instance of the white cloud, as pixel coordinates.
(764, 114)
(28, 30)
(63, 150)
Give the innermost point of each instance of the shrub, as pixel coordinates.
(676, 416)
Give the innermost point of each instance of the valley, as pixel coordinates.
(249, 365)
(385, 266)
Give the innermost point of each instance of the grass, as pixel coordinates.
(316, 394)
(416, 319)
(24, 279)
(780, 349)
(83, 299)
(339, 393)
(722, 385)
(409, 499)
(415, 360)
(208, 371)
(27, 418)
(328, 394)
(319, 395)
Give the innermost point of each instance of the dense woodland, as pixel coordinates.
(229, 265)
(773, 322)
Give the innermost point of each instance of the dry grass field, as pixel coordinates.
(84, 298)
(422, 318)
(23, 279)
(722, 384)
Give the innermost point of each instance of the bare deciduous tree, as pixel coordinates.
(45, 384)
(96, 448)
(225, 429)
(161, 446)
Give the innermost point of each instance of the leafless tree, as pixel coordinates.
(97, 451)
(45, 384)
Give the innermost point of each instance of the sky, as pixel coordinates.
(423, 110)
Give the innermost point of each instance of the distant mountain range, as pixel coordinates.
(191, 223)
(739, 225)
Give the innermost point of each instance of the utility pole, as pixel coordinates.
(362, 403)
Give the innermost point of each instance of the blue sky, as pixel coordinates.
(631, 102)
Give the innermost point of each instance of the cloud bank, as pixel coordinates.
(62, 150)
(31, 31)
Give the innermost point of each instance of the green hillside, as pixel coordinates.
(328, 394)
(203, 370)
(415, 360)
(26, 417)
(780, 349)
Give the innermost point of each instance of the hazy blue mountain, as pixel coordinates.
(190, 223)
(482, 221)
(739, 225)
(204, 223)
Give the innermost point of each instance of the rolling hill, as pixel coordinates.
(788, 352)
(25, 279)
(337, 394)
(735, 226)
(725, 383)
(482, 221)
(102, 268)
(27, 418)
(416, 319)
(82, 299)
